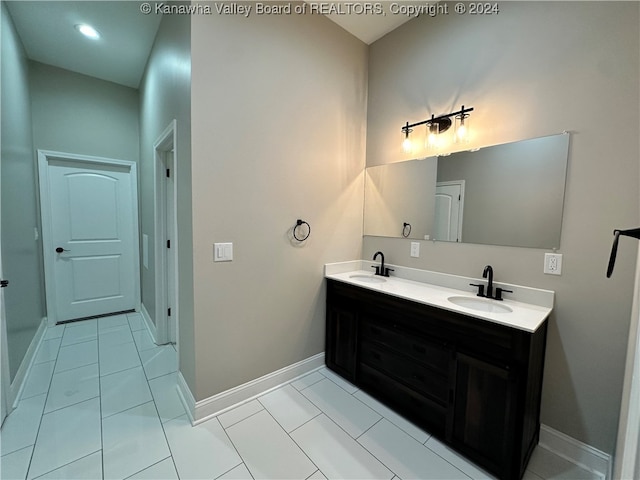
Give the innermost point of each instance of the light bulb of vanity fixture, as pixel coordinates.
(407, 144)
(462, 128)
(433, 133)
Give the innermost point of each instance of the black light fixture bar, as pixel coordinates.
(441, 120)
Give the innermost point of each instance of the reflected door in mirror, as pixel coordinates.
(448, 211)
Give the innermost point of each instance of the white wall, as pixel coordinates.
(532, 70)
(278, 133)
(21, 253)
(164, 96)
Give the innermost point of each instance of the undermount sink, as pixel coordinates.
(480, 304)
(368, 278)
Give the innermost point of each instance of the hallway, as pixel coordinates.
(101, 402)
(96, 376)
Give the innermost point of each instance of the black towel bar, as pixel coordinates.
(632, 232)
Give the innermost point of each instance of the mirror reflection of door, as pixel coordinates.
(449, 207)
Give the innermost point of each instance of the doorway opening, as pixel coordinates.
(166, 238)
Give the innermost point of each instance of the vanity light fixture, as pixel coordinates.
(88, 31)
(433, 131)
(436, 126)
(461, 129)
(407, 144)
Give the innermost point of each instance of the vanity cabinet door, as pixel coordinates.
(483, 413)
(341, 341)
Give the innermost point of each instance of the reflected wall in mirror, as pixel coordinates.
(398, 199)
(510, 194)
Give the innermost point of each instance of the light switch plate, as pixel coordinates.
(553, 263)
(223, 252)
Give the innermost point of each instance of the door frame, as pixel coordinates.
(5, 382)
(627, 453)
(5, 375)
(167, 141)
(44, 157)
(461, 211)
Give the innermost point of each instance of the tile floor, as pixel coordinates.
(101, 402)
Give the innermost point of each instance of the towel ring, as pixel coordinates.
(406, 226)
(298, 224)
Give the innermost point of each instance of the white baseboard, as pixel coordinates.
(217, 404)
(149, 323)
(15, 390)
(186, 397)
(576, 452)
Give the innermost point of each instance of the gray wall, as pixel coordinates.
(513, 193)
(21, 253)
(74, 113)
(398, 193)
(164, 96)
(523, 84)
(278, 123)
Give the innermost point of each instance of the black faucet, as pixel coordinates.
(381, 270)
(488, 271)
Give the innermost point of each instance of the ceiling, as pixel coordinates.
(47, 31)
(368, 28)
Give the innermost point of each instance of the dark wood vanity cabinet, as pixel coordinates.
(472, 383)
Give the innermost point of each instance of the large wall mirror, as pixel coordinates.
(510, 194)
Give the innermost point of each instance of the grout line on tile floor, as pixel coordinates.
(233, 444)
(366, 430)
(100, 409)
(289, 435)
(241, 420)
(233, 468)
(44, 406)
(314, 474)
(164, 432)
(145, 468)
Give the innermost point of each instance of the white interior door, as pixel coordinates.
(90, 235)
(448, 216)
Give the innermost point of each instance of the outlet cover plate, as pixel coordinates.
(553, 263)
(415, 249)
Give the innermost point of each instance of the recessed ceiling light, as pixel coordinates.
(88, 31)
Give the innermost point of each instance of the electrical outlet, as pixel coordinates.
(415, 249)
(553, 263)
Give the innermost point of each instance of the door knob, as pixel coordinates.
(60, 250)
(4, 283)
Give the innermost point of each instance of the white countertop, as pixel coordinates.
(524, 316)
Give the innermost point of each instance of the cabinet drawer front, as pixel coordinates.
(418, 408)
(407, 343)
(417, 376)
